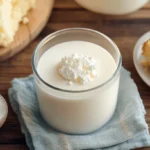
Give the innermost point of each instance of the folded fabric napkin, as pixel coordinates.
(126, 130)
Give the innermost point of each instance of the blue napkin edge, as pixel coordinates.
(24, 128)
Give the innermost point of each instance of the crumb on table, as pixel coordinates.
(25, 20)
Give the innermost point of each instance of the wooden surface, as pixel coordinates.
(123, 30)
(38, 18)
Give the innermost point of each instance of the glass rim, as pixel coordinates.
(57, 33)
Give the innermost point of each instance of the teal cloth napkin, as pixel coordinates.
(126, 130)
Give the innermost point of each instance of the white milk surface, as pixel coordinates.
(48, 64)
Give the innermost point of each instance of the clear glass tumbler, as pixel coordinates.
(77, 112)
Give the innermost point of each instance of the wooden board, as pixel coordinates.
(66, 14)
(38, 18)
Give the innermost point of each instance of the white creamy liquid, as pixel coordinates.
(77, 113)
(48, 64)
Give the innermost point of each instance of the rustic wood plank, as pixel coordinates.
(87, 16)
(144, 148)
(147, 6)
(13, 147)
(66, 4)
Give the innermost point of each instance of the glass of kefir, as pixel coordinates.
(77, 73)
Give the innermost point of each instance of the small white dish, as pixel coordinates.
(3, 111)
(137, 58)
(112, 7)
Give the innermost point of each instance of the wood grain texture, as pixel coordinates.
(124, 31)
(27, 32)
(13, 147)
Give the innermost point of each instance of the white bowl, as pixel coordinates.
(137, 58)
(112, 7)
(3, 111)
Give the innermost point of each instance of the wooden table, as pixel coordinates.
(123, 30)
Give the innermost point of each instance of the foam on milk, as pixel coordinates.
(78, 68)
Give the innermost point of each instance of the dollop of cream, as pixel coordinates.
(78, 68)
